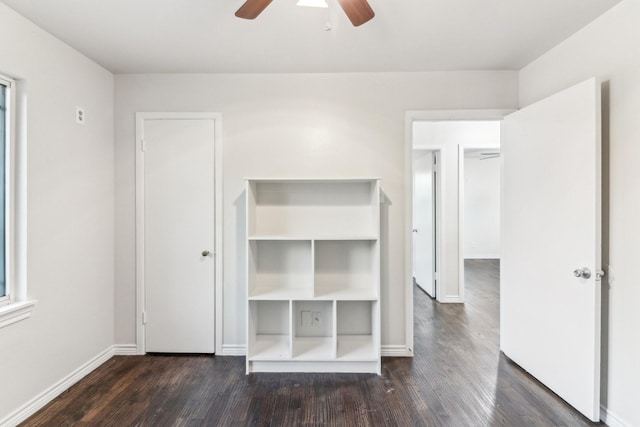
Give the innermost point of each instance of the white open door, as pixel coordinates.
(423, 220)
(550, 319)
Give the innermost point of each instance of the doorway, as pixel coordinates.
(434, 131)
(176, 250)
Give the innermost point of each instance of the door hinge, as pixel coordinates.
(143, 145)
(144, 317)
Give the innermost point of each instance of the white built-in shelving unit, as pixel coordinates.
(313, 275)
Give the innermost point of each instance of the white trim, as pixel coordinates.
(611, 419)
(218, 218)
(124, 350)
(234, 350)
(482, 256)
(410, 118)
(451, 300)
(16, 312)
(13, 290)
(396, 351)
(32, 406)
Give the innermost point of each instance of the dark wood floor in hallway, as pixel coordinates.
(457, 378)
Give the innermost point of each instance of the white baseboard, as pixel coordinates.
(450, 300)
(125, 350)
(395, 351)
(482, 256)
(32, 406)
(233, 350)
(611, 419)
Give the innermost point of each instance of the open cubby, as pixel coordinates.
(346, 269)
(357, 330)
(280, 269)
(269, 330)
(313, 330)
(324, 209)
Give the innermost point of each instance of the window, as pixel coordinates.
(5, 143)
(14, 305)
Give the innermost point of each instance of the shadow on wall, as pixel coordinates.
(385, 290)
(241, 261)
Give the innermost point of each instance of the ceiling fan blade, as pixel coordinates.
(358, 11)
(252, 8)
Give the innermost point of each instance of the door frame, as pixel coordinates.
(431, 115)
(218, 210)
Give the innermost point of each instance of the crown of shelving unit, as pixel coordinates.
(313, 275)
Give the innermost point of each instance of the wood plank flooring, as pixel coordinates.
(457, 378)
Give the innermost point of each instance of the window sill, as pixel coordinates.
(15, 312)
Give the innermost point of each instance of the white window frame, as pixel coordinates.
(14, 306)
(8, 224)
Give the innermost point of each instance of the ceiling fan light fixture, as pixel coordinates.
(312, 3)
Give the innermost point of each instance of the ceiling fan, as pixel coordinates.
(358, 11)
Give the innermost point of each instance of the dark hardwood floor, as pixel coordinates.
(457, 378)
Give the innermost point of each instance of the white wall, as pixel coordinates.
(70, 212)
(448, 137)
(610, 49)
(307, 125)
(481, 207)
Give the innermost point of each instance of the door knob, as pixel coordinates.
(415, 230)
(582, 273)
(205, 253)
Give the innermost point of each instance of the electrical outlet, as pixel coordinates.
(316, 318)
(80, 115)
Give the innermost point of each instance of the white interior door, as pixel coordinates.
(179, 235)
(550, 319)
(423, 220)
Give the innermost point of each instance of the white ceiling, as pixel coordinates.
(163, 36)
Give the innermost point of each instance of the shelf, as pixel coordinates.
(277, 293)
(313, 348)
(340, 293)
(270, 347)
(313, 275)
(356, 348)
(316, 237)
(311, 179)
